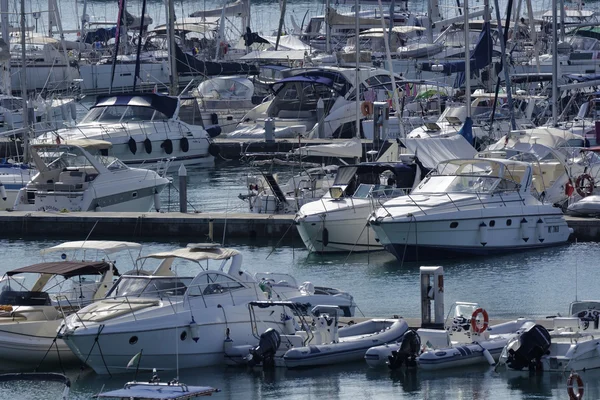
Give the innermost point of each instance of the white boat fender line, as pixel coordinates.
(524, 230)
(194, 330)
(483, 233)
(540, 230)
(488, 356)
(3, 192)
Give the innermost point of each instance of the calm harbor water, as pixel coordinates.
(537, 284)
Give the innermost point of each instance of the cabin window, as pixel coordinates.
(508, 222)
(133, 340)
(453, 224)
(492, 223)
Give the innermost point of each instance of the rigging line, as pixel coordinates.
(279, 241)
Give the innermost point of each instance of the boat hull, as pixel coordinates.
(349, 348)
(113, 350)
(330, 235)
(441, 236)
(27, 344)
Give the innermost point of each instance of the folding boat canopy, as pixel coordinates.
(67, 269)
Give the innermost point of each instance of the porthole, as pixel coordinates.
(508, 222)
(134, 195)
(133, 340)
(453, 224)
(183, 335)
(492, 223)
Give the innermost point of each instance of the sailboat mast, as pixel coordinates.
(280, 28)
(357, 80)
(24, 86)
(468, 59)
(174, 81)
(554, 64)
(139, 47)
(6, 79)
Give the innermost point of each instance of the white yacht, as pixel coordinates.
(177, 321)
(145, 129)
(469, 207)
(293, 109)
(32, 312)
(72, 179)
(13, 177)
(338, 221)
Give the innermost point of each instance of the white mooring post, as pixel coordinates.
(432, 291)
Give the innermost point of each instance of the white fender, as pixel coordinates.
(539, 228)
(65, 112)
(524, 230)
(488, 357)
(3, 192)
(483, 233)
(194, 330)
(156, 200)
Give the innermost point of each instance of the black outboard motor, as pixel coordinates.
(265, 351)
(408, 352)
(526, 350)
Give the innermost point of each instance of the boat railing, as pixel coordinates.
(380, 196)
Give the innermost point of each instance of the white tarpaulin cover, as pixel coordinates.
(551, 137)
(431, 151)
(346, 149)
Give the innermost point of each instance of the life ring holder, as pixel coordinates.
(366, 108)
(486, 321)
(584, 184)
(575, 378)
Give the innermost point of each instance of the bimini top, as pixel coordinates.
(105, 246)
(142, 391)
(163, 103)
(67, 269)
(197, 252)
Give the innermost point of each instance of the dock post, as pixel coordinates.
(182, 173)
(432, 291)
(320, 117)
(269, 130)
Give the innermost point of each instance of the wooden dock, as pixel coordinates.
(197, 226)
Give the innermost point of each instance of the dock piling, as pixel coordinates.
(182, 173)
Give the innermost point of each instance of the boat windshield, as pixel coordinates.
(365, 191)
(116, 114)
(66, 158)
(145, 286)
(579, 306)
(473, 176)
(226, 88)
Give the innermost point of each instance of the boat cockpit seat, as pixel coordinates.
(23, 298)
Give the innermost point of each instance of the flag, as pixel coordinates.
(135, 360)
(466, 130)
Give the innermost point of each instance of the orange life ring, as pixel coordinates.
(366, 108)
(584, 185)
(574, 377)
(486, 320)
